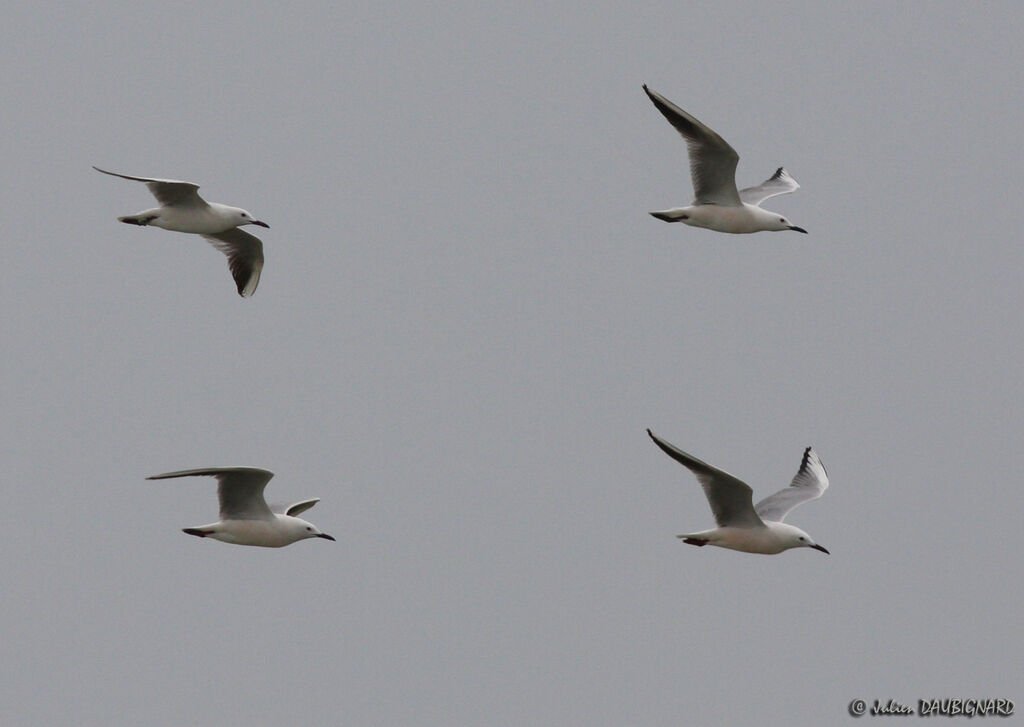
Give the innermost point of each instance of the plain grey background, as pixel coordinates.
(466, 321)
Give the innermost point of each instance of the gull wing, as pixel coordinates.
(296, 508)
(712, 160)
(245, 257)
(778, 183)
(240, 490)
(810, 483)
(729, 498)
(168, 192)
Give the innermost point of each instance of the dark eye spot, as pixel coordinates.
(783, 221)
(311, 530)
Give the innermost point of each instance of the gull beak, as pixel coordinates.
(264, 224)
(792, 227)
(325, 536)
(816, 547)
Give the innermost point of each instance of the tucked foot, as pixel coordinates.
(141, 221)
(670, 216)
(689, 541)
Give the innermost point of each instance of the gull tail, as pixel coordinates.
(196, 531)
(673, 215)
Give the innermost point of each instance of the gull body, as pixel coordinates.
(183, 210)
(718, 205)
(741, 524)
(245, 517)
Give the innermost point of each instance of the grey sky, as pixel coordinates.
(466, 321)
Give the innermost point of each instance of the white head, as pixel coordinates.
(793, 537)
(301, 529)
(773, 221)
(242, 217)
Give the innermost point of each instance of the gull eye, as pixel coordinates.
(311, 530)
(782, 220)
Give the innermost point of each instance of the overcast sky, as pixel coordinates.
(466, 321)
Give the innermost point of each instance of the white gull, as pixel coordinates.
(183, 210)
(743, 525)
(245, 517)
(717, 204)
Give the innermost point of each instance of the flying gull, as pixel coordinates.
(245, 517)
(717, 204)
(743, 525)
(183, 210)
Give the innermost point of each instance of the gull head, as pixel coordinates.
(789, 536)
(800, 539)
(781, 223)
(763, 219)
(241, 217)
(301, 529)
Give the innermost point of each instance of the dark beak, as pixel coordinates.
(264, 224)
(816, 547)
(325, 536)
(792, 227)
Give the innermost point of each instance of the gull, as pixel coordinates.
(183, 210)
(245, 517)
(743, 525)
(717, 205)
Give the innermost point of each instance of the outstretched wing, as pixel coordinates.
(240, 490)
(296, 508)
(168, 192)
(778, 183)
(729, 498)
(245, 257)
(809, 483)
(712, 161)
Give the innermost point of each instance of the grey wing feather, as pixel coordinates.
(712, 161)
(239, 489)
(729, 497)
(778, 183)
(168, 192)
(245, 257)
(296, 507)
(810, 483)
